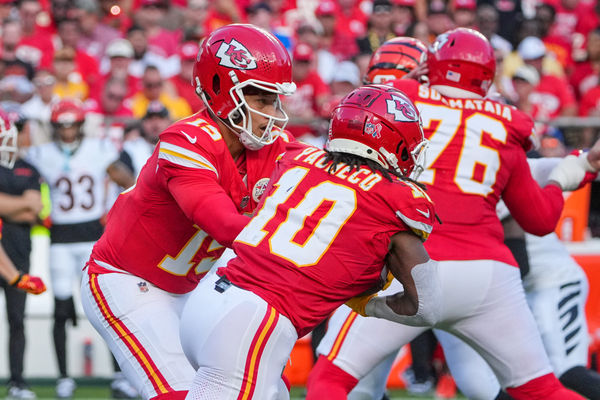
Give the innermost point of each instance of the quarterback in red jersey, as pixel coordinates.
(321, 237)
(476, 155)
(188, 204)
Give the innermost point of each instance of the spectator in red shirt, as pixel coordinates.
(95, 36)
(182, 81)
(69, 34)
(552, 97)
(120, 54)
(194, 20)
(6, 9)
(464, 13)
(149, 16)
(590, 103)
(339, 43)
(585, 75)
(325, 61)
(311, 93)
(352, 18)
(223, 12)
(35, 46)
(555, 43)
(438, 19)
(403, 16)
(59, 10)
(107, 117)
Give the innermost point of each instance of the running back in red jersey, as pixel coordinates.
(322, 238)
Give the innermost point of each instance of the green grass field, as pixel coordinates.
(96, 391)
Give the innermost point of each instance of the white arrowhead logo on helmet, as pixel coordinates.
(235, 55)
(401, 109)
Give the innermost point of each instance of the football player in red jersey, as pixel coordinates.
(476, 155)
(164, 234)
(321, 236)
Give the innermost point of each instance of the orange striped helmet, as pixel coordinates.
(394, 59)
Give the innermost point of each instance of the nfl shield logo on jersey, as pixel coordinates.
(235, 55)
(259, 189)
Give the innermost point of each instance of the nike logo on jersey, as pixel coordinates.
(191, 139)
(423, 213)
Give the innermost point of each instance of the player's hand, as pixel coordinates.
(30, 284)
(358, 303)
(573, 172)
(593, 156)
(418, 73)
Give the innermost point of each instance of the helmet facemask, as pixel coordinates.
(418, 156)
(8, 144)
(239, 119)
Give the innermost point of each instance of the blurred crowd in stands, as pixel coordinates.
(118, 56)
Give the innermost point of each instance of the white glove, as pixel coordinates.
(570, 172)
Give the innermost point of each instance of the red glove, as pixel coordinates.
(30, 284)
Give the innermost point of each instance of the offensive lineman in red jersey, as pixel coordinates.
(164, 234)
(476, 155)
(321, 236)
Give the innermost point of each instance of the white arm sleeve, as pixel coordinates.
(542, 167)
(570, 172)
(429, 292)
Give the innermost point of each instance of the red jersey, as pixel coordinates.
(322, 238)
(590, 103)
(185, 208)
(477, 154)
(550, 96)
(184, 89)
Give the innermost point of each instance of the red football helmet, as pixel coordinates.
(67, 112)
(462, 58)
(394, 59)
(232, 58)
(382, 124)
(8, 141)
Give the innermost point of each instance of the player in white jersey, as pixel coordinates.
(74, 167)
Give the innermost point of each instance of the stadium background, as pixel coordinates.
(331, 42)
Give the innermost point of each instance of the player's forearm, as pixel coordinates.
(10, 205)
(418, 305)
(7, 269)
(24, 216)
(120, 174)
